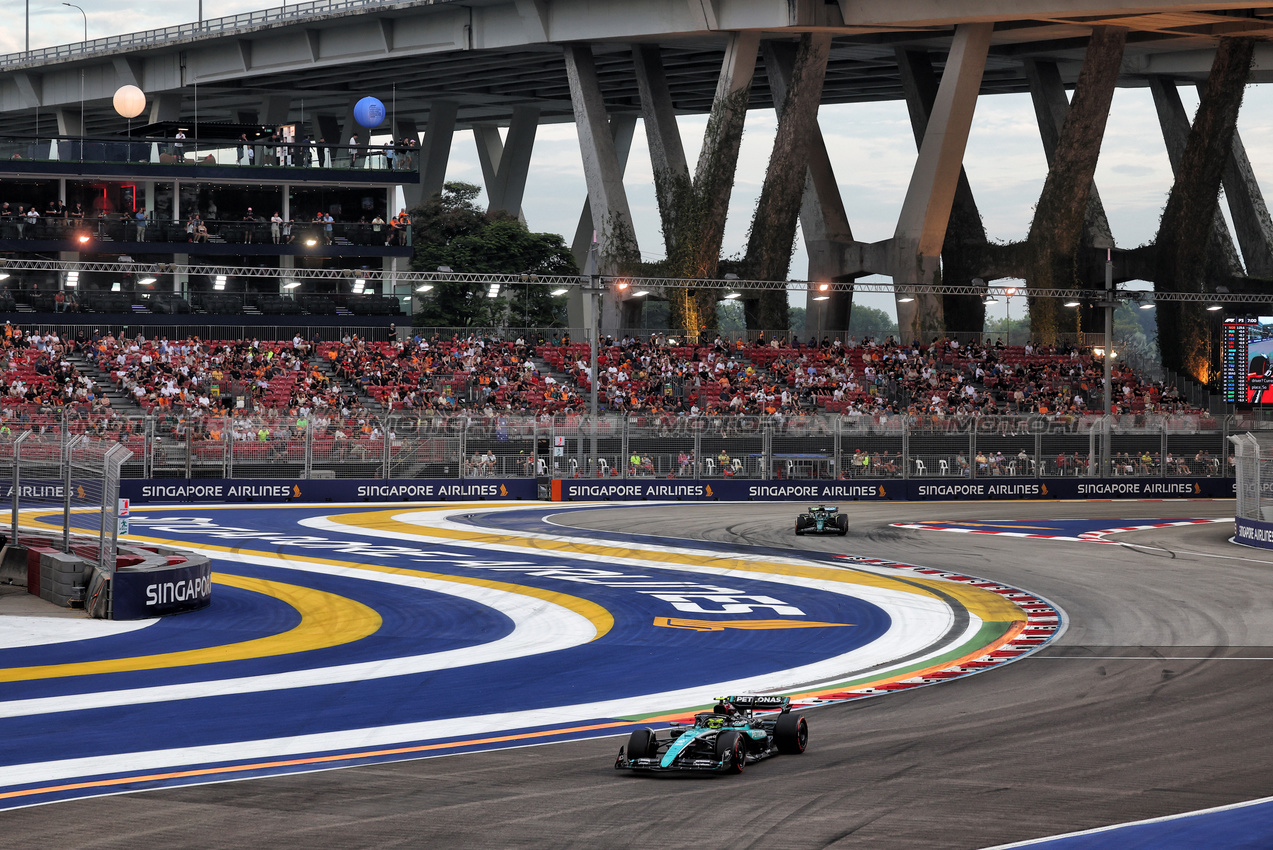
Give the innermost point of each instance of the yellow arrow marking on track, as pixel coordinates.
(326, 620)
(721, 625)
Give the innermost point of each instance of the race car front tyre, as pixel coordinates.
(641, 744)
(799, 528)
(842, 524)
(791, 734)
(732, 742)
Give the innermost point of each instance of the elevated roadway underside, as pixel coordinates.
(489, 57)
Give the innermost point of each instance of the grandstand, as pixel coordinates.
(478, 405)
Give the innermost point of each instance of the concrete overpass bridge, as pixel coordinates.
(483, 65)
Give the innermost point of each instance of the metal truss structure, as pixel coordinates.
(620, 283)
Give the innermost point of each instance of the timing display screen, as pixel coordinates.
(1248, 360)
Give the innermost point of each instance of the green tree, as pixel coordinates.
(868, 321)
(451, 231)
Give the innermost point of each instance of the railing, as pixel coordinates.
(302, 445)
(245, 154)
(210, 27)
(84, 233)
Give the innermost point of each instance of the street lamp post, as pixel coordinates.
(1007, 312)
(82, 128)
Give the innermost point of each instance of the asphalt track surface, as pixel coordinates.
(1154, 702)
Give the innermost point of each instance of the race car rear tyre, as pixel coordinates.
(842, 524)
(791, 734)
(641, 744)
(799, 528)
(732, 742)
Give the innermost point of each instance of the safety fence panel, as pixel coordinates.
(654, 451)
(501, 447)
(805, 448)
(737, 447)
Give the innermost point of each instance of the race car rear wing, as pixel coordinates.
(757, 702)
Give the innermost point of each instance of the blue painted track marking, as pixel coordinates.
(459, 661)
(1245, 826)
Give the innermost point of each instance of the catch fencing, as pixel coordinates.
(463, 446)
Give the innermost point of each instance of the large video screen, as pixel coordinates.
(1248, 360)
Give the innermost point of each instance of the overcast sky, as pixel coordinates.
(871, 146)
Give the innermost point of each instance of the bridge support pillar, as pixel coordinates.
(165, 106)
(1251, 222)
(1064, 206)
(506, 164)
(607, 198)
(962, 252)
(1181, 263)
(1221, 256)
(773, 227)
(697, 225)
(921, 227)
(68, 121)
(823, 221)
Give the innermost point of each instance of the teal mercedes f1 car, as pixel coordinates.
(823, 519)
(723, 740)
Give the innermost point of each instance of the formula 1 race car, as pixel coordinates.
(823, 519)
(723, 740)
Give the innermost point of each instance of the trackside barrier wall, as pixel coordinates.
(206, 490)
(881, 490)
(1253, 517)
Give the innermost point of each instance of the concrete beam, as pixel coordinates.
(607, 198)
(773, 227)
(663, 136)
(68, 121)
(1056, 233)
(1222, 256)
(30, 88)
(1051, 106)
(275, 109)
(963, 246)
(622, 128)
(534, 15)
(823, 220)
(1182, 255)
(435, 147)
(128, 71)
(611, 216)
(921, 226)
(1251, 222)
(165, 106)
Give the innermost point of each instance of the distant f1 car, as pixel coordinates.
(824, 519)
(723, 740)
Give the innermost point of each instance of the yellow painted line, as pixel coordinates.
(327, 620)
(600, 618)
(721, 625)
(267, 765)
(982, 603)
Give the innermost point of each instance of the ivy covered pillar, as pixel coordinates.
(607, 199)
(963, 252)
(1221, 261)
(1052, 248)
(773, 227)
(1250, 213)
(663, 136)
(1185, 329)
(1051, 107)
(694, 226)
(916, 247)
(823, 221)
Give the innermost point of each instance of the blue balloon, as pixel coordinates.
(369, 112)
